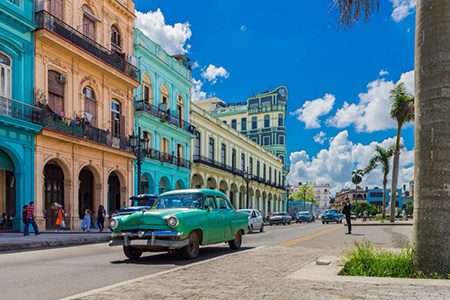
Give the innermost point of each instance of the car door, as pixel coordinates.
(227, 216)
(214, 232)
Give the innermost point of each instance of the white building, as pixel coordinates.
(322, 193)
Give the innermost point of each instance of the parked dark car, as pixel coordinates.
(332, 215)
(304, 216)
(280, 218)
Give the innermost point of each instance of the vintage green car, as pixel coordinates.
(180, 220)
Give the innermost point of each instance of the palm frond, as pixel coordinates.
(402, 104)
(351, 10)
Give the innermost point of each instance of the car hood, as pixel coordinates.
(155, 217)
(133, 209)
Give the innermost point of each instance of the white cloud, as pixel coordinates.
(212, 73)
(372, 112)
(171, 38)
(196, 92)
(243, 28)
(320, 137)
(383, 72)
(194, 65)
(335, 164)
(402, 9)
(312, 110)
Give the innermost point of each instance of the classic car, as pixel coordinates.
(304, 216)
(280, 217)
(255, 220)
(332, 215)
(138, 203)
(180, 220)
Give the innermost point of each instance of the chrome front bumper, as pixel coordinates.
(150, 239)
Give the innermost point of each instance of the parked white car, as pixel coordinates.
(255, 220)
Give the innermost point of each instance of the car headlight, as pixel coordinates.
(113, 223)
(172, 221)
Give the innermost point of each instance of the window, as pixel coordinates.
(251, 165)
(275, 176)
(266, 140)
(223, 154)
(254, 122)
(5, 75)
(164, 145)
(243, 124)
(270, 174)
(225, 121)
(116, 43)
(56, 8)
(257, 169)
(233, 123)
(233, 159)
(55, 92)
(281, 139)
(180, 107)
(211, 149)
(117, 120)
(223, 203)
(147, 135)
(282, 159)
(197, 144)
(243, 162)
(90, 107)
(210, 202)
(264, 172)
(88, 22)
(266, 121)
(147, 92)
(16, 2)
(280, 120)
(164, 104)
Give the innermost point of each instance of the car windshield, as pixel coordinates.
(143, 202)
(303, 214)
(193, 200)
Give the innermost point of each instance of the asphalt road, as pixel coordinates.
(61, 272)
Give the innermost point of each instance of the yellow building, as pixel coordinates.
(84, 83)
(222, 158)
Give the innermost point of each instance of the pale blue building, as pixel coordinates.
(375, 197)
(19, 118)
(162, 113)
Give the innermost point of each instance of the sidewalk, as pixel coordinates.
(17, 241)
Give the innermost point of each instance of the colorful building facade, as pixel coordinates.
(19, 119)
(84, 81)
(375, 197)
(162, 112)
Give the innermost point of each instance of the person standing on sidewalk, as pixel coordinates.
(87, 220)
(101, 214)
(30, 220)
(59, 218)
(347, 211)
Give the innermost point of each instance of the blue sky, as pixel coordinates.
(338, 80)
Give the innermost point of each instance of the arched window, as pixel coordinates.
(56, 92)
(88, 22)
(164, 104)
(267, 121)
(147, 92)
(180, 107)
(116, 42)
(5, 75)
(90, 106)
(117, 120)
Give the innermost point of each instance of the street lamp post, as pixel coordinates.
(247, 177)
(138, 144)
(288, 189)
(304, 198)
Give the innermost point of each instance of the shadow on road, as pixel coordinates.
(164, 258)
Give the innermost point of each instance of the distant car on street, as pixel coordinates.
(255, 220)
(304, 216)
(353, 216)
(280, 218)
(138, 203)
(332, 215)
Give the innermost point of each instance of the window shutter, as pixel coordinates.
(122, 126)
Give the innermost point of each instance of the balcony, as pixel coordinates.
(19, 110)
(167, 158)
(81, 129)
(45, 20)
(163, 115)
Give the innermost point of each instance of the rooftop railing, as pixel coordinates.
(163, 115)
(45, 20)
(168, 158)
(20, 110)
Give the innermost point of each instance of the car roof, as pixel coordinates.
(191, 191)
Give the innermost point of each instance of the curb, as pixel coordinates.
(52, 244)
(381, 224)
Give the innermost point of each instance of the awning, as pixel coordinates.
(5, 161)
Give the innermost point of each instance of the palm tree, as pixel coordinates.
(356, 179)
(382, 157)
(402, 110)
(432, 125)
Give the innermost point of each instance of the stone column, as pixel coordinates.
(71, 203)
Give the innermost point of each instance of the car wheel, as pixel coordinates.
(251, 229)
(323, 222)
(327, 222)
(192, 249)
(131, 253)
(289, 223)
(270, 224)
(237, 242)
(262, 228)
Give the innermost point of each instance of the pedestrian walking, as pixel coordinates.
(60, 219)
(101, 215)
(365, 216)
(86, 224)
(347, 211)
(31, 220)
(24, 217)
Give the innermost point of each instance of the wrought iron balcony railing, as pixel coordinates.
(19, 110)
(80, 128)
(45, 20)
(168, 158)
(163, 115)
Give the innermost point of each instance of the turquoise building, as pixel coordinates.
(162, 114)
(18, 116)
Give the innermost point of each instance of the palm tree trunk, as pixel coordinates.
(431, 240)
(394, 181)
(384, 197)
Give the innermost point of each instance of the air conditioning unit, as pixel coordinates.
(61, 79)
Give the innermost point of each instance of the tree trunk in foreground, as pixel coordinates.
(384, 197)
(431, 238)
(394, 180)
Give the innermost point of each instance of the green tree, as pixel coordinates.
(382, 157)
(310, 196)
(432, 125)
(402, 110)
(357, 176)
